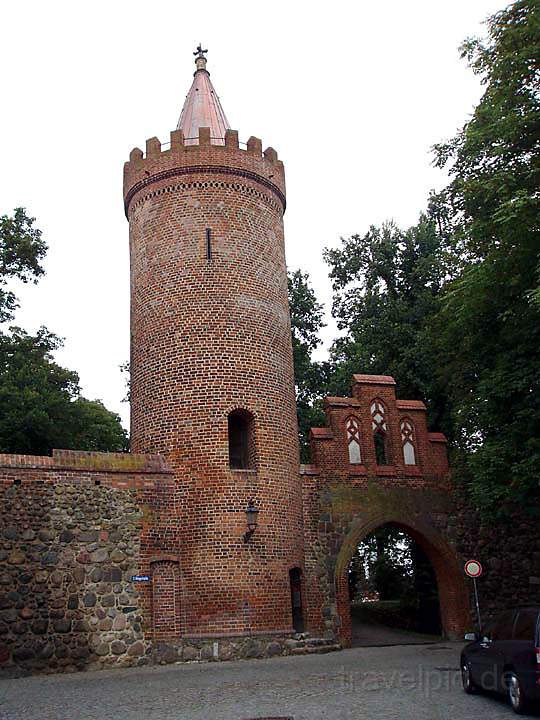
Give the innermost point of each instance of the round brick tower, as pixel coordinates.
(212, 380)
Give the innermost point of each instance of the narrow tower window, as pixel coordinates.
(380, 432)
(208, 244)
(241, 440)
(353, 441)
(295, 580)
(407, 440)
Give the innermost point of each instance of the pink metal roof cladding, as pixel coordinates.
(202, 107)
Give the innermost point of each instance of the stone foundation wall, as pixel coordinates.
(240, 647)
(66, 597)
(71, 529)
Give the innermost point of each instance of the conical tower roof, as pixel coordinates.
(202, 107)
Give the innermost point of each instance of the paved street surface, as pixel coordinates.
(369, 634)
(392, 683)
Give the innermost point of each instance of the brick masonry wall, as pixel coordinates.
(211, 335)
(72, 533)
(344, 502)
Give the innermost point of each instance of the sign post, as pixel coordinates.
(473, 569)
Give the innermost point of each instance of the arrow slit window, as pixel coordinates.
(407, 441)
(380, 432)
(353, 441)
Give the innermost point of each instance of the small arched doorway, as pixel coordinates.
(453, 605)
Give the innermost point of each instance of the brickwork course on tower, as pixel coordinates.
(210, 541)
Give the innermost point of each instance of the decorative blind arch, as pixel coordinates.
(380, 431)
(353, 440)
(407, 441)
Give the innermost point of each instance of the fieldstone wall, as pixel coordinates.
(66, 597)
(74, 529)
(509, 551)
(241, 647)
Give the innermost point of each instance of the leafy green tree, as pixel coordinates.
(21, 251)
(383, 563)
(386, 290)
(488, 330)
(310, 376)
(40, 403)
(96, 428)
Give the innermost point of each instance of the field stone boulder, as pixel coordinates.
(190, 653)
(273, 648)
(118, 647)
(137, 649)
(252, 649)
(62, 626)
(207, 652)
(23, 654)
(96, 575)
(46, 651)
(88, 536)
(16, 557)
(46, 535)
(89, 599)
(99, 556)
(40, 626)
(119, 622)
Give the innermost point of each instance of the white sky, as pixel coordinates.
(352, 94)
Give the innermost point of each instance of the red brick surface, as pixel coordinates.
(344, 502)
(209, 336)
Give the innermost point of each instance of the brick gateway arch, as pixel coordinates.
(449, 576)
(359, 482)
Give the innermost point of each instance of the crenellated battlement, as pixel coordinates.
(181, 156)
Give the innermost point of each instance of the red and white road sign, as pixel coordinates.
(473, 568)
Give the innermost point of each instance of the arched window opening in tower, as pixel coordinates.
(380, 432)
(241, 429)
(353, 441)
(407, 441)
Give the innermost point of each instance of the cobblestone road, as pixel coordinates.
(401, 683)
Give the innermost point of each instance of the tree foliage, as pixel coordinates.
(40, 403)
(488, 330)
(306, 323)
(21, 251)
(386, 288)
(382, 563)
(451, 307)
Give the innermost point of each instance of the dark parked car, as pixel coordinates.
(505, 658)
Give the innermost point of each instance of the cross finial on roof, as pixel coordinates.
(199, 52)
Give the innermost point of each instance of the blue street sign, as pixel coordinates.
(140, 578)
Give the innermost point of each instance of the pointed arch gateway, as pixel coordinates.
(453, 596)
(344, 502)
